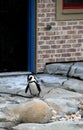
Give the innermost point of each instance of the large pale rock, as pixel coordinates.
(34, 111)
(63, 105)
(58, 125)
(58, 68)
(73, 85)
(60, 93)
(77, 70)
(51, 79)
(12, 84)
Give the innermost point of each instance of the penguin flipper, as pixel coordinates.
(26, 88)
(38, 86)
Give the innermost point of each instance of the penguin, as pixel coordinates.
(33, 86)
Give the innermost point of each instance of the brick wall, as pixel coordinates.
(64, 42)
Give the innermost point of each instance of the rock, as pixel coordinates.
(35, 111)
(58, 68)
(77, 70)
(7, 125)
(51, 79)
(63, 105)
(73, 85)
(48, 82)
(58, 125)
(13, 84)
(60, 93)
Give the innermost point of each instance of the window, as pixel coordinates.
(69, 9)
(72, 4)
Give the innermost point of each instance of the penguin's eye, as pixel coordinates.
(30, 78)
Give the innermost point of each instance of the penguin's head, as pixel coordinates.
(31, 78)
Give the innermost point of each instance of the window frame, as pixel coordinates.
(67, 14)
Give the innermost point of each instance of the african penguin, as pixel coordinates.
(33, 86)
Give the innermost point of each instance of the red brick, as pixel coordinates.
(76, 36)
(45, 10)
(60, 41)
(71, 32)
(50, 42)
(41, 5)
(55, 37)
(41, 15)
(66, 28)
(80, 58)
(41, 24)
(60, 59)
(55, 46)
(57, 55)
(50, 51)
(50, 14)
(44, 38)
(45, 56)
(71, 41)
(44, 47)
(40, 33)
(80, 40)
(80, 32)
(71, 59)
(71, 50)
(66, 37)
(77, 54)
(45, 19)
(57, 28)
(41, 42)
(43, 1)
(66, 55)
(60, 50)
(78, 27)
(50, 5)
(76, 45)
(81, 22)
(61, 23)
(40, 60)
(72, 22)
(52, 23)
(50, 33)
(52, 60)
(66, 46)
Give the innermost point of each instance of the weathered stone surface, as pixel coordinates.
(73, 85)
(51, 79)
(58, 68)
(63, 94)
(77, 70)
(61, 125)
(48, 82)
(63, 105)
(35, 111)
(12, 84)
(6, 124)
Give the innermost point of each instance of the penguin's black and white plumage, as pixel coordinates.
(33, 86)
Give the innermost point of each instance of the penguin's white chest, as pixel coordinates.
(33, 88)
